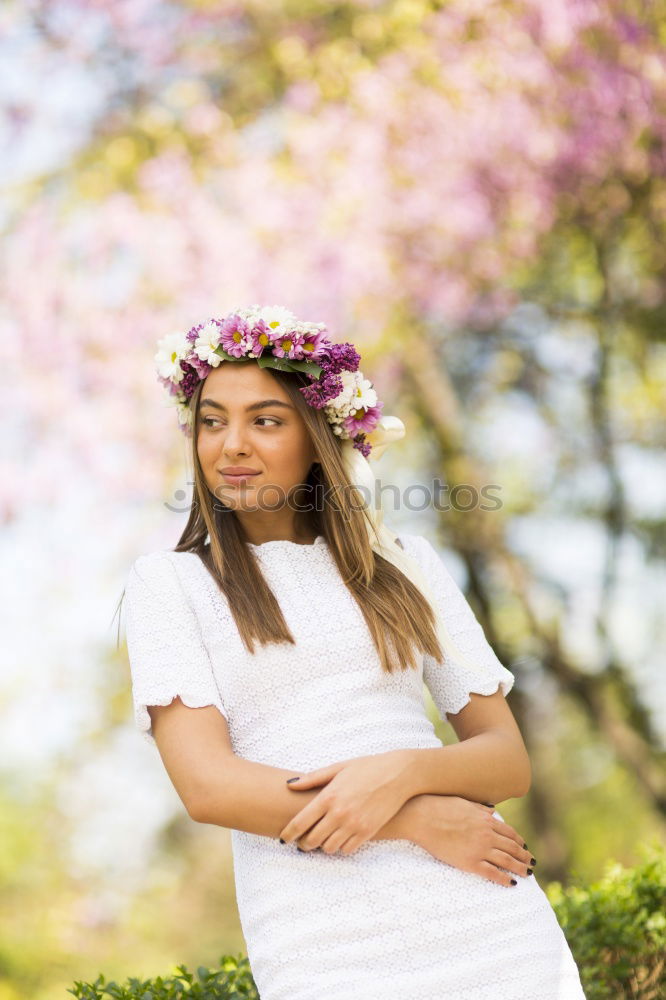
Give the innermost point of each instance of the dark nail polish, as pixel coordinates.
(529, 871)
(282, 841)
(289, 780)
(513, 882)
(525, 846)
(532, 861)
(491, 804)
(300, 849)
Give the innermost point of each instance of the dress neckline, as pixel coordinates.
(284, 542)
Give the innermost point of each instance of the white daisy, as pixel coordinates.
(206, 342)
(185, 416)
(171, 350)
(180, 404)
(365, 396)
(357, 393)
(278, 318)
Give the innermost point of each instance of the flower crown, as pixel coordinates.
(277, 339)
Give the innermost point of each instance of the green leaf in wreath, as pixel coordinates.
(308, 366)
(270, 361)
(289, 365)
(225, 354)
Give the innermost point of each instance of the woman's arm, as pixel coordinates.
(489, 764)
(255, 798)
(218, 787)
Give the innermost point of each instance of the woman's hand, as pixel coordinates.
(466, 835)
(361, 795)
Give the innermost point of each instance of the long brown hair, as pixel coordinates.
(397, 614)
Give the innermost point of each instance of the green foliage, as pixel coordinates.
(617, 929)
(231, 981)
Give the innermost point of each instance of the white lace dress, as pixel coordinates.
(389, 922)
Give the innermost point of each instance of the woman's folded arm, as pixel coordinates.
(216, 786)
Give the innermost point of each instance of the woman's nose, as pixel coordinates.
(234, 441)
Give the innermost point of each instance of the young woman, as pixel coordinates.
(278, 656)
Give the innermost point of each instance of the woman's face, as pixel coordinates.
(247, 421)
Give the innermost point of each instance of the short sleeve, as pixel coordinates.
(165, 647)
(450, 683)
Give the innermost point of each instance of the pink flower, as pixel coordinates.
(235, 335)
(289, 345)
(363, 421)
(261, 338)
(202, 368)
(313, 346)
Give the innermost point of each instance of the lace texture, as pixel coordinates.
(164, 642)
(389, 922)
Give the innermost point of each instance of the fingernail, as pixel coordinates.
(282, 841)
(532, 861)
(289, 780)
(513, 882)
(300, 849)
(525, 846)
(491, 804)
(529, 871)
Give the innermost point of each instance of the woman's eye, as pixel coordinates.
(211, 421)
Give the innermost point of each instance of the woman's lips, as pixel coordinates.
(241, 477)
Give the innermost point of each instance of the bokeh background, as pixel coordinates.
(472, 192)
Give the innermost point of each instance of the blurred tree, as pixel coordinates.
(473, 192)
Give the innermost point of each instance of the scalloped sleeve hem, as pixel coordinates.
(451, 702)
(166, 651)
(142, 715)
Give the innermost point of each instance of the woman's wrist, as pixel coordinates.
(406, 824)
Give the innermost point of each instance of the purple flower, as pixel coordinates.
(261, 337)
(322, 390)
(363, 420)
(361, 445)
(195, 372)
(314, 345)
(172, 387)
(340, 357)
(288, 345)
(194, 331)
(236, 335)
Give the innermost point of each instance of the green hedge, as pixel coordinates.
(616, 929)
(231, 980)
